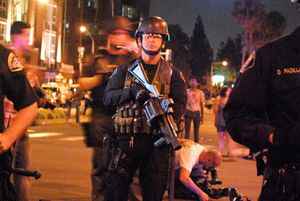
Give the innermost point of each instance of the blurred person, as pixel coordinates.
(134, 147)
(263, 113)
(87, 102)
(19, 44)
(194, 109)
(225, 143)
(34, 82)
(191, 159)
(120, 49)
(220, 121)
(17, 89)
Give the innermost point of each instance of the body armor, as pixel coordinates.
(130, 118)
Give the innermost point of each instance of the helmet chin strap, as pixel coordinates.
(150, 52)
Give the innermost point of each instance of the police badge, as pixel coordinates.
(13, 63)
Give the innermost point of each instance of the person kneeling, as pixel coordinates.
(191, 160)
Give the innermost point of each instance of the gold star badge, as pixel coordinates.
(14, 64)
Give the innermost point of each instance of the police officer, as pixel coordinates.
(134, 139)
(263, 113)
(120, 49)
(20, 35)
(15, 86)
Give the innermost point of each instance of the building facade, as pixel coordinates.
(92, 13)
(55, 25)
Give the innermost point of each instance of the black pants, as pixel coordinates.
(281, 185)
(95, 131)
(7, 190)
(195, 118)
(153, 165)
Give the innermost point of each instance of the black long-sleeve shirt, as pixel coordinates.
(266, 99)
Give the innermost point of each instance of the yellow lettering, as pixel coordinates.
(289, 70)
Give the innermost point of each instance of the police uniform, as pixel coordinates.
(101, 122)
(266, 100)
(13, 85)
(135, 140)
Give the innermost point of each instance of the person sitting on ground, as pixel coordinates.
(191, 159)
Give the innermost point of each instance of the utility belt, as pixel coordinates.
(130, 120)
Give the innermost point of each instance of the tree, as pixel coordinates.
(273, 26)
(249, 14)
(231, 51)
(180, 46)
(201, 51)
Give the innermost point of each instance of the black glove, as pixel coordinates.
(134, 91)
(139, 94)
(142, 96)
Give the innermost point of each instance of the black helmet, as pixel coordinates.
(295, 1)
(153, 24)
(119, 22)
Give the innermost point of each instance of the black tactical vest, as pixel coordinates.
(129, 118)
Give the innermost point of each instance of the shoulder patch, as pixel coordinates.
(13, 63)
(250, 62)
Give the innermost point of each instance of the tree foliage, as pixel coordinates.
(180, 46)
(231, 51)
(273, 25)
(259, 25)
(249, 14)
(201, 51)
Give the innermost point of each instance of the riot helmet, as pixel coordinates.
(152, 25)
(155, 25)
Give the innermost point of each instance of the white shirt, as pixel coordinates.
(195, 97)
(188, 156)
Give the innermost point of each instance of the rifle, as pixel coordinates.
(158, 109)
(159, 114)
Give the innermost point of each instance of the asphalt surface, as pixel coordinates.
(59, 153)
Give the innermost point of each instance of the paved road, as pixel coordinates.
(59, 153)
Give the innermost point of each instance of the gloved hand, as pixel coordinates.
(142, 96)
(134, 91)
(139, 94)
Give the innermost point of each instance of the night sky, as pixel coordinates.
(216, 15)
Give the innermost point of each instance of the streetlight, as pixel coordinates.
(43, 1)
(83, 29)
(224, 63)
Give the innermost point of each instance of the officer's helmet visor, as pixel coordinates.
(148, 36)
